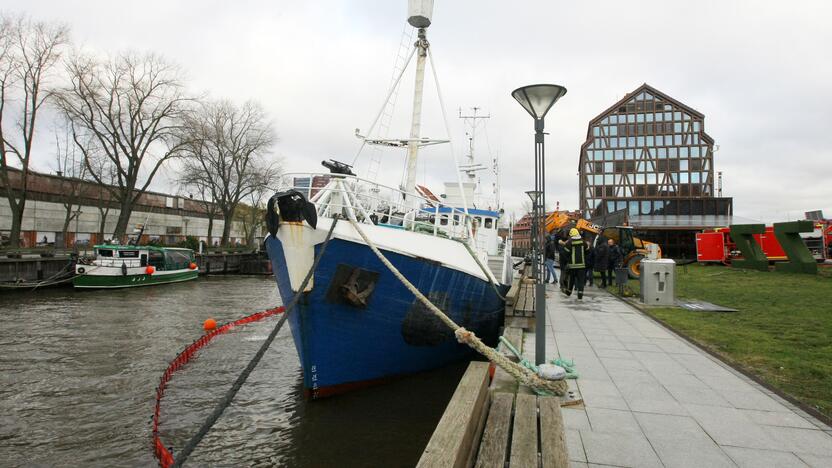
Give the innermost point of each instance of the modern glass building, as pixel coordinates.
(648, 157)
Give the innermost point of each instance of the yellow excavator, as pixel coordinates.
(632, 248)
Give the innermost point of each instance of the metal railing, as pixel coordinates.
(371, 202)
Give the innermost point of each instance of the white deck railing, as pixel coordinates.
(371, 202)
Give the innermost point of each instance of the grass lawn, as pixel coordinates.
(782, 332)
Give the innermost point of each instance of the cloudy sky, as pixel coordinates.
(760, 71)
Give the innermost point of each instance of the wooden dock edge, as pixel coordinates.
(456, 439)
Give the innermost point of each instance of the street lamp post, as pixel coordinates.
(537, 100)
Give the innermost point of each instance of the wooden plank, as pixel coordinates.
(511, 295)
(494, 445)
(456, 437)
(552, 436)
(524, 437)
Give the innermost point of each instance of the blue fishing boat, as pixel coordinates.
(356, 324)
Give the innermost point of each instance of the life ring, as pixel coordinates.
(81, 270)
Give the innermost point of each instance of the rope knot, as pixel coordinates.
(464, 336)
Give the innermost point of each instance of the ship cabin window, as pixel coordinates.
(456, 220)
(443, 220)
(105, 252)
(177, 259)
(128, 254)
(489, 223)
(479, 221)
(156, 258)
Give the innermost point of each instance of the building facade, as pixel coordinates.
(167, 218)
(649, 158)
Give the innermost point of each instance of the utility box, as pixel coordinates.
(658, 282)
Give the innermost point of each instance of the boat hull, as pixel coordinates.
(343, 345)
(118, 280)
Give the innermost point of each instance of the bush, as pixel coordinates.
(190, 242)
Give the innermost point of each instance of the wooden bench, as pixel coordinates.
(486, 428)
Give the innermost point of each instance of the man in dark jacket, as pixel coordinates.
(575, 249)
(616, 258)
(602, 261)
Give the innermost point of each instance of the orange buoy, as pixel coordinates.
(150, 269)
(209, 324)
(192, 266)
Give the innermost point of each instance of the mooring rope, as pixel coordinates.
(520, 373)
(241, 379)
(484, 270)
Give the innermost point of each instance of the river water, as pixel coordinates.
(78, 372)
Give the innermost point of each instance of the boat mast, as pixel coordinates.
(419, 14)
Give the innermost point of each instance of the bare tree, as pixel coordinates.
(72, 171)
(253, 212)
(194, 179)
(29, 51)
(130, 109)
(227, 145)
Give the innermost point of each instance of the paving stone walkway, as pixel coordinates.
(651, 399)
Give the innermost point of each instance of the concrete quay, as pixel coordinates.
(651, 399)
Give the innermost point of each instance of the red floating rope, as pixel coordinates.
(162, 453)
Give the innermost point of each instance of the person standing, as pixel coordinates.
(615, 258)
(550, 250)
(602, 261)
(590, 263)
(575, 249)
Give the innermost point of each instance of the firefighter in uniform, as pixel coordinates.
(575, 249)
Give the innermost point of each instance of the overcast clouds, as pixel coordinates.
(761, 72)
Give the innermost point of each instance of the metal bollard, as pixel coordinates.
(621, 276)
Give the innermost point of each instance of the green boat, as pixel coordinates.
(127, 266)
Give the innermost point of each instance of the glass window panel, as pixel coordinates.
(668, 107)
(622, 142)
(704, 176)
(677, 139)
(683, 177)
(677, 116)
(649, 140)
(695, 138)
(607, 154)
(650, 166)
(596, 131)
(598, 179)
(629, 153)
(617, 179)
(706, 166)
(685, 116)
(631, 118)
(613, 131)
(672, 153)
(683, 152)
(640, 178)
(683, 164)
(677, 127)
(648, 117)
(651, 178)
(639, 117)
(694, 177)
(605, 120)
(694, 152)
(659, 117)
(631, 142)
(674, 177)
(632, 209)
(608, 179)
(696, 126)
(607, 167)
(639, 141)
(619, 154)
(640, 167)
(645, 207)
(662, 153)
(659, 140)
(610, 207)
(621, 205)
(668, 115)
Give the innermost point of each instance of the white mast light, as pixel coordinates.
(419, 13)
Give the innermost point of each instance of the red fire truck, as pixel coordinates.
(716, 245)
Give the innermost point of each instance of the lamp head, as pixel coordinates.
(538, 99)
